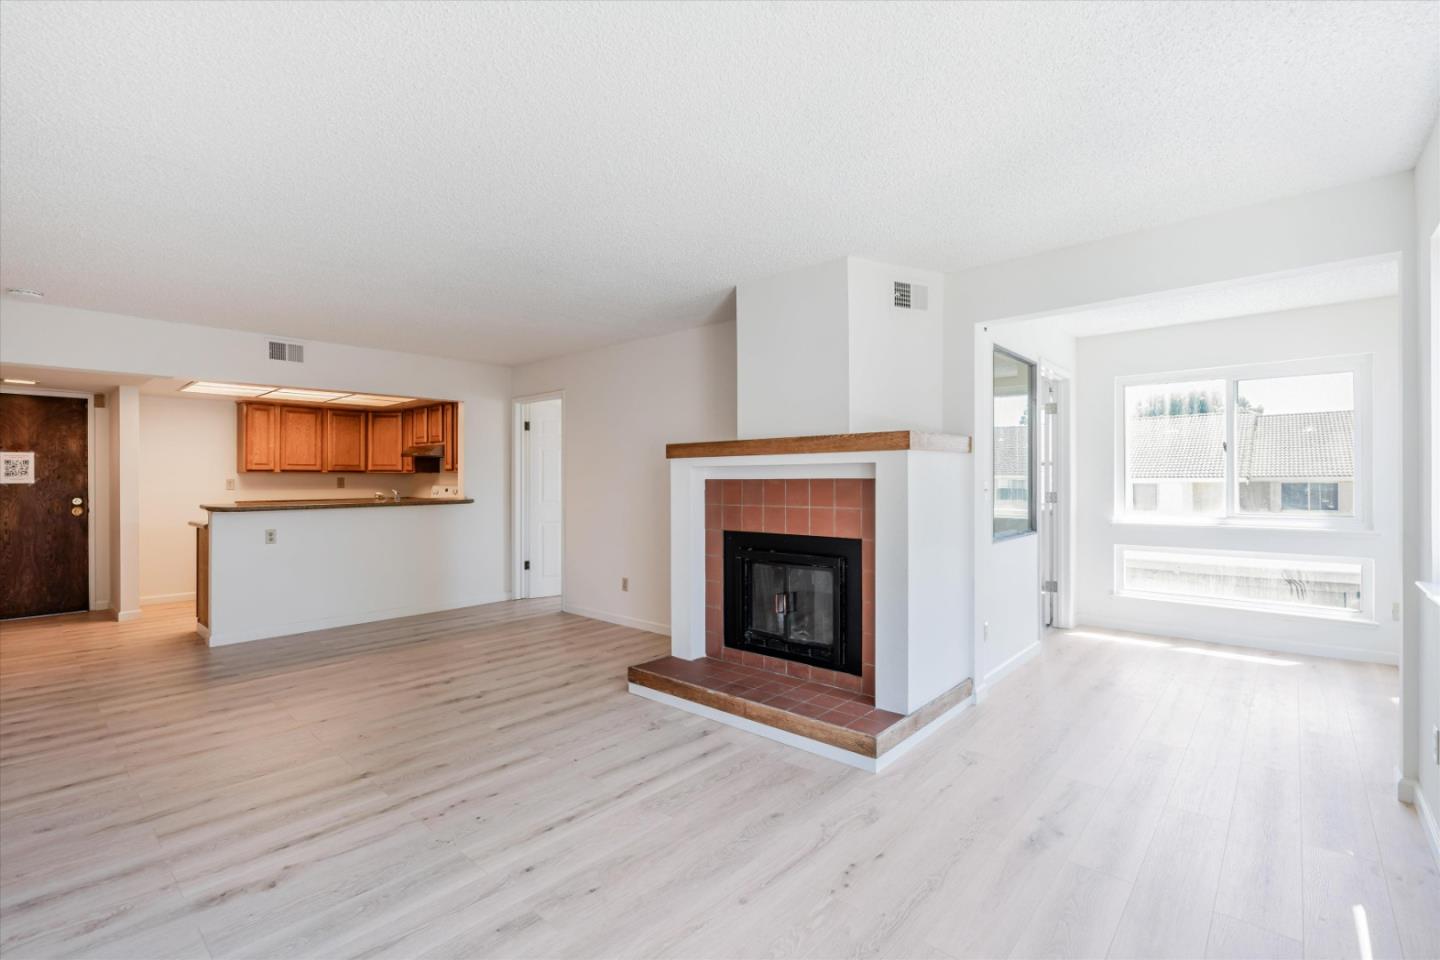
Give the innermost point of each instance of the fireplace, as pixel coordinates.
(794, 597)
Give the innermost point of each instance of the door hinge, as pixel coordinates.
(1052, 407)
(527, 564)
(527, 424)
(1052, 496)
(1050, 586)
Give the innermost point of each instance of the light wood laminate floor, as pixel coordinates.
(479, 783)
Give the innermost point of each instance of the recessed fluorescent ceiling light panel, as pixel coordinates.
(310, 396)
(225, 389)
(20, 383)
(375, 400)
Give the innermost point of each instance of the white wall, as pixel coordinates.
(187, 453)
(622, 405)
(1007, 573)
(474, 547)
(1423, 683)
(1370, 327)
(791, 360)
(896, 355)
(825, 350)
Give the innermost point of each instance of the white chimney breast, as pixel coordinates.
(825, 349)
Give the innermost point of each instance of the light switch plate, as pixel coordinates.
(230, 483)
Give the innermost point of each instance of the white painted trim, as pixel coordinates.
(519, 582)
(344, 620)
(203, 631)
(124, 616)
(984, 685)
(97, 600)
(650, 626)
(1230, 639)
(1427, 821)
(167, 598)
(828, 751)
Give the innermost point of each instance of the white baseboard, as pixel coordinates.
(220, 637)
(167, 598)
(124, 616)
(1427, 820)
(1228, 639)
(1010, 665)
(650, 626)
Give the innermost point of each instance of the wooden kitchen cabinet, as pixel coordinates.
(450, 418)
(257, 430)
(386, 440)
(435, 423)
(345, 435)
(302, 439)
(418, 431)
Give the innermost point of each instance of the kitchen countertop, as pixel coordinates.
(255, 506)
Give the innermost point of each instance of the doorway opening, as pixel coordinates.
(539, 496)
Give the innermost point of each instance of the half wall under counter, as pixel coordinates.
(275, 568)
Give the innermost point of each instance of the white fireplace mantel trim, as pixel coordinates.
(923, 582)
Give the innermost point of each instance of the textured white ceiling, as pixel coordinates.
(510, 181)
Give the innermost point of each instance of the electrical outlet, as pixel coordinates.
(340, 483)
(269, 536)
(435, 491)
(624, 584)
(230, 483)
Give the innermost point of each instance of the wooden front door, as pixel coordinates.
(44, 526)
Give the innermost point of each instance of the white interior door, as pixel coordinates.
(543, 542)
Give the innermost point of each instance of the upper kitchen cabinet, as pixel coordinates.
(345, 435)
(386, 440)
(302, 444)
(419, 431)
(435, 423)
(451, 462)
(257, 431)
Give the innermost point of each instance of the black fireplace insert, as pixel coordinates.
(794, 597)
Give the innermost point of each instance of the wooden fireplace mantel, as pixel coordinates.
(824, 443)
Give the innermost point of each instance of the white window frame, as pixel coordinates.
(1365, 615)
(1358, 366)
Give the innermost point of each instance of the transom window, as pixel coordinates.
(1279, 443)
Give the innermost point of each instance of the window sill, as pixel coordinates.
(1351, 526)
(1317, 614)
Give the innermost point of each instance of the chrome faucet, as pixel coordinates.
(394, 495)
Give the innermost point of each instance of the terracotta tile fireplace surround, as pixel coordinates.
(904, 497)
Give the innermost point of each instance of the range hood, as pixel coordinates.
(436, 450)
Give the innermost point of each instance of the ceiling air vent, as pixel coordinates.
(910, 296)
(289, 352)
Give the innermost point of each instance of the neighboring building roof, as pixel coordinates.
(1191, 446)
(1300, 446)
(1285, 446)
(1010, 459)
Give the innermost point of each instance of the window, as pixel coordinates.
(1295, 440)
(1279, 443)
(1315, 586)
(1013, 393)
(1175, 447)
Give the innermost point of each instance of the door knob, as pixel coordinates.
(76, 501)
(76, 511)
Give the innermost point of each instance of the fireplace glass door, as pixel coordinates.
(792, 597)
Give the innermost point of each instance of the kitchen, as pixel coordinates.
(278, 452)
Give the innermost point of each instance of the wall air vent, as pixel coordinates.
(289, 352)
(910, 296)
